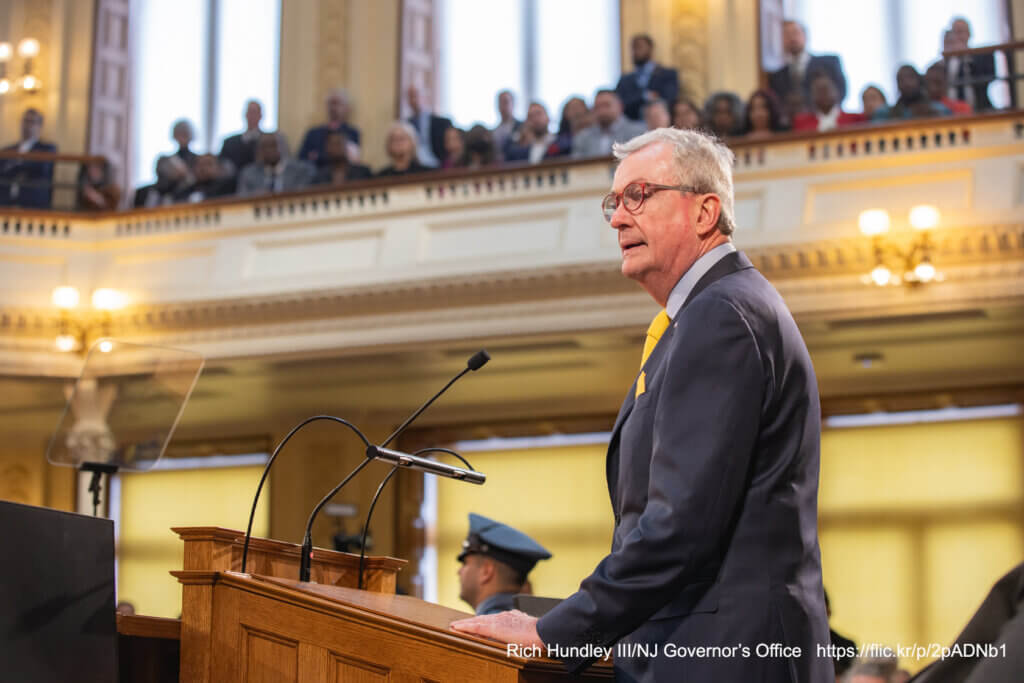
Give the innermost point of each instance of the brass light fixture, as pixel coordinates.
(27, 50)
(77, 332)
(911, 265)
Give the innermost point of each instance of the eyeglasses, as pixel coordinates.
(634, 195)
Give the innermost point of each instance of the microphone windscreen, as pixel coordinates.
(478, 360)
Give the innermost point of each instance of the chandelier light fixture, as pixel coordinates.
(75, 333)
(901, 265)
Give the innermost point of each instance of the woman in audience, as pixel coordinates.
(763, 116)
(339, 168)
(723, 113)
(914, 101)
(454, 148)
(686, 115)
(479, 147)
(875, 106)
(97, 190)
(402, 143)
(575, 117)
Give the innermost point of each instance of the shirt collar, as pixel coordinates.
(830, 120)
(691, 277)
(27, 145)
(503, 601)
(799, 60)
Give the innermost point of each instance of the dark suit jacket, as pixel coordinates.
(664, 81)
(239, 152)
(314, 145)
(27, 183)
(438, 125)
(713, 477)
(781, 84)
(999, 621)
(981, 73)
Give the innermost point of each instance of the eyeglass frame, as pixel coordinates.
(644, 194)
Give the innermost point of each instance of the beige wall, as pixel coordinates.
(64, 29)
(713, 43)
(339, 43)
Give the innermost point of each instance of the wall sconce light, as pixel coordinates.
(893, 265)
(75, 333)
(28, 49)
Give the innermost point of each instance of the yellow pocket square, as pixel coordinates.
(641, 386)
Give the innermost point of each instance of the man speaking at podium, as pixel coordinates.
(714, 572)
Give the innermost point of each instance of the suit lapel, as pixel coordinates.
(730, 263)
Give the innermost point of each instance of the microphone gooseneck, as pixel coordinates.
(373, 503)
(273, 457)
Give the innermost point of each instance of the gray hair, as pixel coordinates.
(700, 160)
(407, 128)
(341, 93)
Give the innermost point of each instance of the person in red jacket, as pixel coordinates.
(825, 113)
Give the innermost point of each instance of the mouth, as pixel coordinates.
(629, 244)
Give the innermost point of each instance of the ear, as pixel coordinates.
(488, 572)
(707, 215)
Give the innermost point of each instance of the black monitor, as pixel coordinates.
(57, 619)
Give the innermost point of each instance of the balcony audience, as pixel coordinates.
(403, 147)
(762, 116)
(650, 81)
(97, 190)
(428, 126)
(801, 66)
(970, 75)
(28, 183)
(454, 148)
(536, 141)
(314, 144)
(913, 102)
(686, 114)
(723, 114)
(183, 133)
(172, 179)
(656, 115)
(508, 124)
(239, 150)
(480, 147)
(212, 180)
(875, 106)
(826, 113)
(339, 168)
(576, 116)
(937, 86)
(610, 126)
(272, 172)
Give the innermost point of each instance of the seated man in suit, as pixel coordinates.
(801, 66)
(240, 149)
(271, 172)
(27, 183)
(429, 126)
(535, 141)
(496, 560)
(314, 145)
(649, 82)
(713, 461)
(610, 126)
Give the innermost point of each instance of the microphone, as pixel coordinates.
(475, 362)
(415, 462)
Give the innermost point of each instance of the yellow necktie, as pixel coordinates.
(654, 332)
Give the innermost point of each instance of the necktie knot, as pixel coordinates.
(654, 332)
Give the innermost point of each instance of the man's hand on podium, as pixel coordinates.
(508, 627)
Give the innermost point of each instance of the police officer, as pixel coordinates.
(496, 560)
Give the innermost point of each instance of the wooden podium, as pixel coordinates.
(266, 626)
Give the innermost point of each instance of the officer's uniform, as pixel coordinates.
(506, 545)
